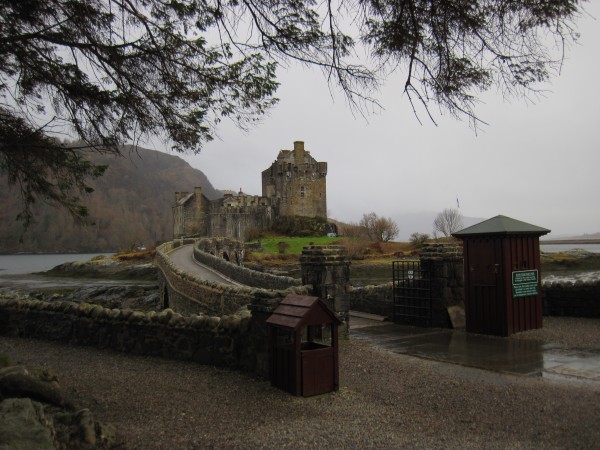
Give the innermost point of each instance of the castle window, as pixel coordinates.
(301, 191)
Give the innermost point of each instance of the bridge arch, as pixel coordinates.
(224, 248)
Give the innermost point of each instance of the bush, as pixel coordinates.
(282, 247)
(418, 239)
(301, 226)
(355, 248)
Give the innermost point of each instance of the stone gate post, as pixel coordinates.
(444, 263)
(327, 269)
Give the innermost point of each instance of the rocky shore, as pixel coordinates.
(107, 282)
(106, 268)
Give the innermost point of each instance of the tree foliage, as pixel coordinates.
(131, 205)
(379, 229)
(448, 222)
(117, 71)
(418, 239)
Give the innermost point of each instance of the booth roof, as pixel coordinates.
(501, 225)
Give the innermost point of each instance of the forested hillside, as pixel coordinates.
(131, 205)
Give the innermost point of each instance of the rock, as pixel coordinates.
(34, 414)
(5, 360)
(24, 426)
(87, 427)
(106, 268)
(79, 430)
(16, 382)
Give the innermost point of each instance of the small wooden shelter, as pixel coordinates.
(303, 339)
(502, 276)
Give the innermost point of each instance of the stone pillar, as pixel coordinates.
(255, 353)
(327, 269)
(444, 263)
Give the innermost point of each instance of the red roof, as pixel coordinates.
(295, 311)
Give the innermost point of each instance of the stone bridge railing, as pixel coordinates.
(186, 293)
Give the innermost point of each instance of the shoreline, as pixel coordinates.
(569, 241)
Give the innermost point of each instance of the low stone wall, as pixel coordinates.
(202, 339)
(232, 341)
(241, 274)
(372, 299)
(580, 299)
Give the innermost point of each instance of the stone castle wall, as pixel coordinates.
(236, 221)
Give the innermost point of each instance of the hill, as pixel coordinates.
(131, 205)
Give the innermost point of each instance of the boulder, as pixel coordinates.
(24, 426)
(17, 382)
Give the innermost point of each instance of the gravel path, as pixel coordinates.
(385, 401)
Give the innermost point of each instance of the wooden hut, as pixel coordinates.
(303, 339)
(502, 276)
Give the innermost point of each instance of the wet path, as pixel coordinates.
(505, 355)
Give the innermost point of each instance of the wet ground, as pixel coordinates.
(507, 355)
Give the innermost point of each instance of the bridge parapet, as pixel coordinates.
(236, 272)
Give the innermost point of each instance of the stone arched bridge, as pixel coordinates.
(205, 276)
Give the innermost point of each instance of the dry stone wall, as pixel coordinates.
(202, 339)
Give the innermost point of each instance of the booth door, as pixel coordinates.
(317, 371)
(484, 303)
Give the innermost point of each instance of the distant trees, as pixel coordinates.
(448, 221)
(380, 229)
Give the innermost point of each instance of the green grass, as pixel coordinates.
(269, 244)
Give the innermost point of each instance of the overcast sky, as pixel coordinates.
(539, 163)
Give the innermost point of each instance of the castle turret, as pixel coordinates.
(299, 152)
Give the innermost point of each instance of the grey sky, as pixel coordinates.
(535, 162)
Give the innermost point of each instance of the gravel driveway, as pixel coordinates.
(386, 400)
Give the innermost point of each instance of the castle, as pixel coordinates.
(294, 185)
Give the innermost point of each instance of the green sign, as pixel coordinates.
(525, 283)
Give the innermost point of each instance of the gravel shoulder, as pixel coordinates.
(386, 400)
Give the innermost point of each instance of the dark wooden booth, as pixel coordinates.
(502, 276)
(303, 340)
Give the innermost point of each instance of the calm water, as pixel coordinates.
(556, 248)
(23, 264)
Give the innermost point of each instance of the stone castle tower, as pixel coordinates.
(294, 185)
(298, 182)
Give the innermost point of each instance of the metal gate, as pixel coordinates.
(412, 294)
